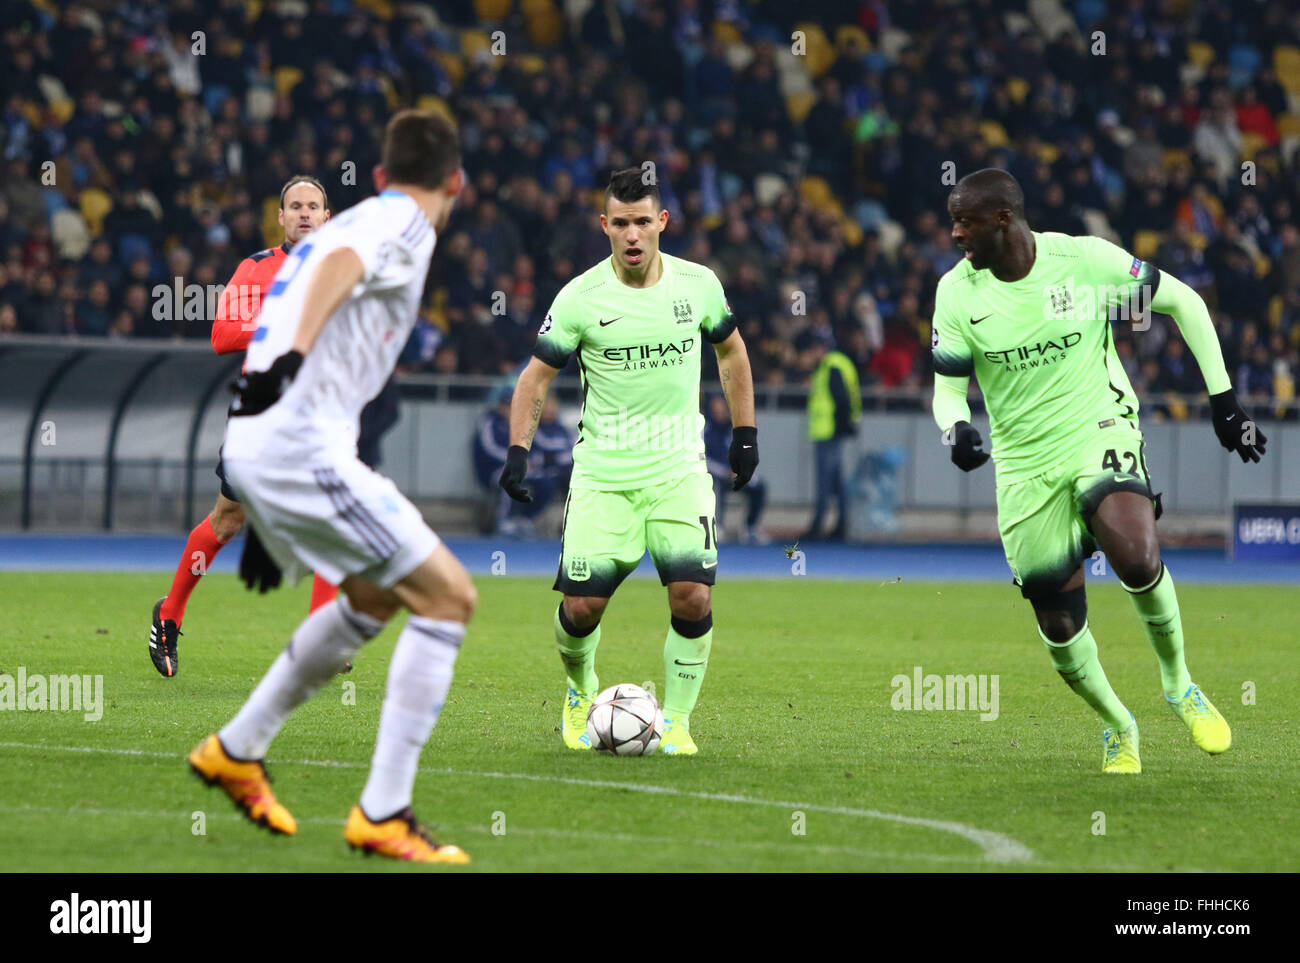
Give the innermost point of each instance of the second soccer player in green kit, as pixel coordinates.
(1028, 314)
(636, 323)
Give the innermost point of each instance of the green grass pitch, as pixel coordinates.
(795, 728)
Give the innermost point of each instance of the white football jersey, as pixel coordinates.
(317, 418)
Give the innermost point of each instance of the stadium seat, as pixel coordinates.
(271, 230)
(1251, 144)
(1286, 64)
(1146, 243)
(798, 105)
(1018, 88)
(491, 11)
(63, 109)
(472, 41)
(818, 52)
(726, 33)
(1243, 62)
(546, 27)
(286, 78)
(436, 104)
(1200, 53)
(994, 134)
(70, 234)
(850, 31)
(452, 66)
(95, 205)
(815, 191)
(1174, 158)
(1288, 125)
(383, 9)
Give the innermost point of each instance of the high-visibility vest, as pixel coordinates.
(821, 404)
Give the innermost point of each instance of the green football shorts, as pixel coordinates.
(606, 533)
(1044, 520)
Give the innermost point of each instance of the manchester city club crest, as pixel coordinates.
(1062, 303)
(682, 311)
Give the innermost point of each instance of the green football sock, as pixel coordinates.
(577, 651)
(1076, 661)
(1157, 606)
(686, 659)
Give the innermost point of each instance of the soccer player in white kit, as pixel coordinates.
(332, 326)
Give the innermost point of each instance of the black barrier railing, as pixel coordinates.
(145, 356)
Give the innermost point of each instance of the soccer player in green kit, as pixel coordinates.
(636, 323)
(1028, 313)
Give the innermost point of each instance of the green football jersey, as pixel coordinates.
(638, 352)
(1041, 347)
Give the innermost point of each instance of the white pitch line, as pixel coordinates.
(549, 831)
(996, 847)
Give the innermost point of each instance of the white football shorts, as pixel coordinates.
(335, 519)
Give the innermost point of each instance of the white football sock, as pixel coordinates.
(418, 680)
(324, 641)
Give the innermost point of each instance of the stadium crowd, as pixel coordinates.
(148, 141)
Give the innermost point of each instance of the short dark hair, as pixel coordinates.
(993, 189)
(630, 185)
(304, 179)
(421, 148)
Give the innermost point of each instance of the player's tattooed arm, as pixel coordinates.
(737, 379)
(529, 398)
(532, 428)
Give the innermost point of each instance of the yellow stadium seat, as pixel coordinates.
(1018, 88)
(272, 232)
(815, 190)
(546, 28)
(383, 9)
(1252, 144)
(1146, 243)
(818, 52)
(63, 109)
(1262, 266)
(1200, 53)
(852, 232)
(848, 31)
(1288, 125)
(1286, 62)
(1275, 305)
(994, 134)
(530, 63)
(1048, 153)
(452, 65)
(472, 41)
(439, 106)
(95, 205)
(726, 33)
(798, 105)
(537, 6)
(286, 78)
(491, 10)
(1174, 158)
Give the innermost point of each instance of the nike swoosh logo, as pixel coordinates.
(1230, 417)
(747, 447)
(708, 565)
(611, 321)
(978, 320)
(680, 662)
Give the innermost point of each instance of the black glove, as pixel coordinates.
(743, 455)
(256, 567)
(255, 391)
(512, 476)
(966, 451)
(1234, 426)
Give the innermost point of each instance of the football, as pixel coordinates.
(625, 720)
